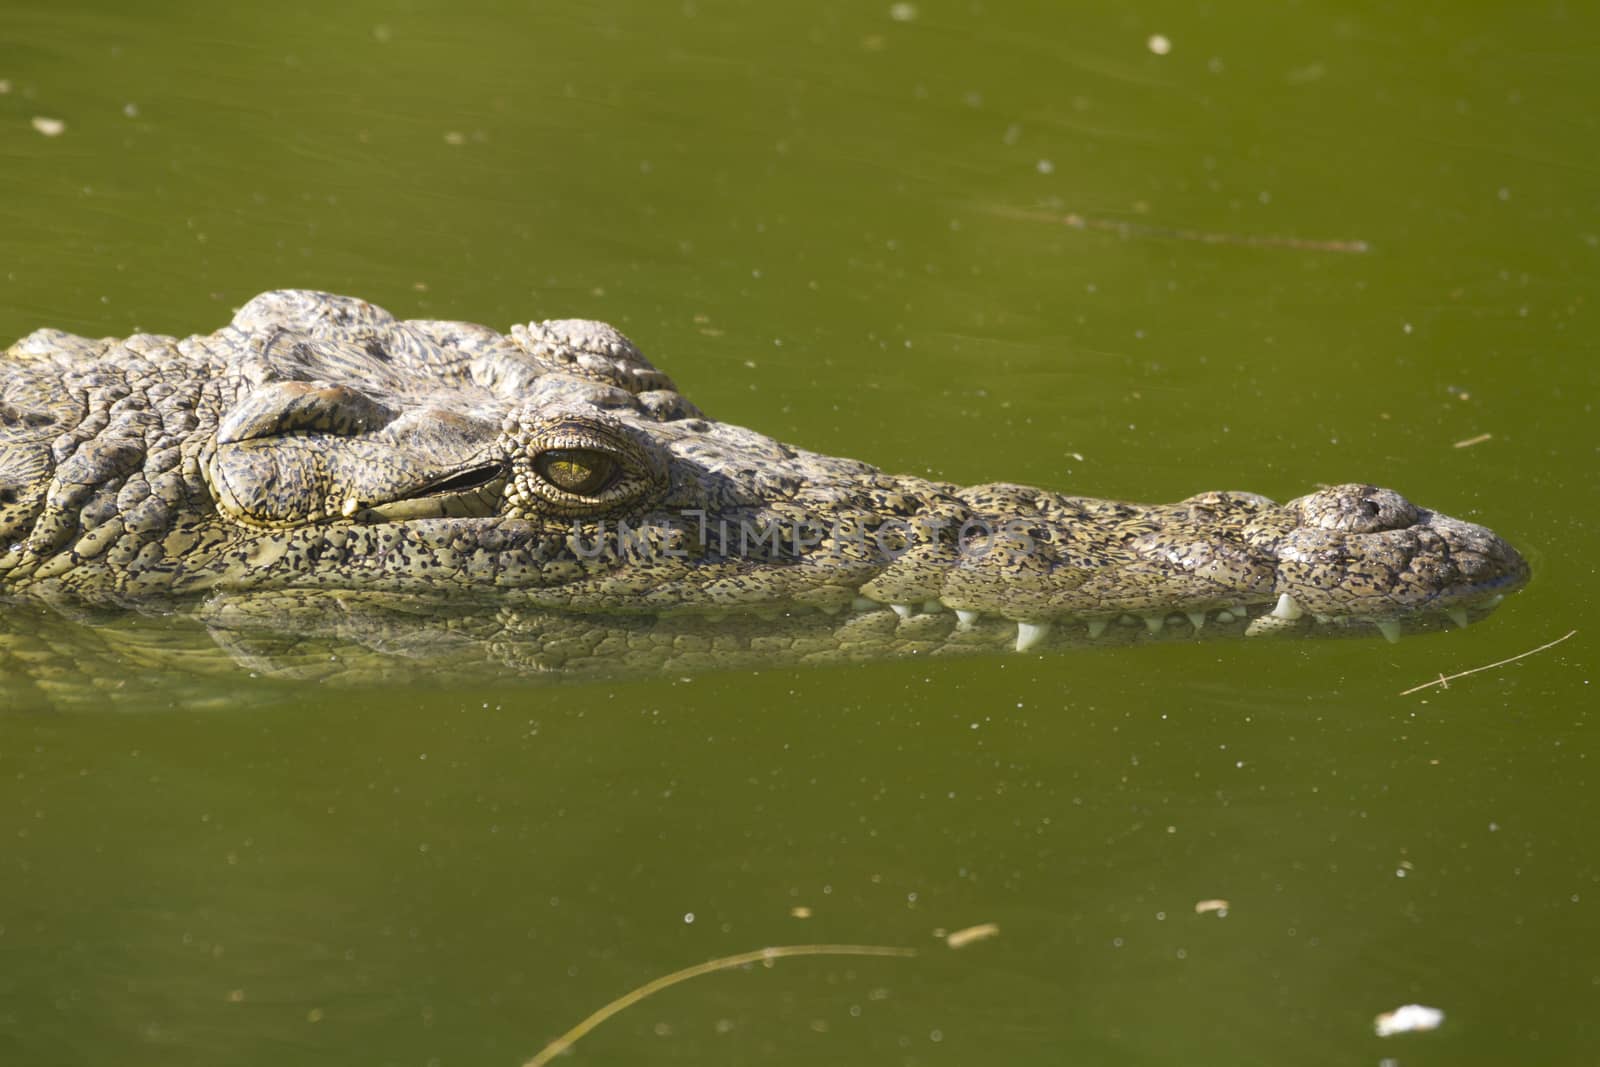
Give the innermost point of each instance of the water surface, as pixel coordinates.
(849, 226)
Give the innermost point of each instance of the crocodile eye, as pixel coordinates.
(576, 465)
(581, 471)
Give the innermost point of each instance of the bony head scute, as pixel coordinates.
(582, 466)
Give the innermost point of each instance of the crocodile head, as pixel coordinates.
(318, 446)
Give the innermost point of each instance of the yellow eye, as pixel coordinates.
(582, 471)
(579, 465)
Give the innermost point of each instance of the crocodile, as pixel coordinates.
(318, 467)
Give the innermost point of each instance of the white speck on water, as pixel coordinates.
(1159, 44)
(1044, 166)
(49, 127)
(903, 12)
(688, 917)
(1408, 1018)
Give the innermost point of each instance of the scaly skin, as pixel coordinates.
(318, 466)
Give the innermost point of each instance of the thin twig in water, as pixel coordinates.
(760, 955)
(1478, 440)
(1122, 228)
(1443, 681)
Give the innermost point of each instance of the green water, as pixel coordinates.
(843, 228)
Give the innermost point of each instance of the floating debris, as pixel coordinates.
(49, 127)
(1478, 440)
(1218, 905)
(972, 935)
(1135, 230)
(1406, 1019)
(761, 955)
(1444, 680)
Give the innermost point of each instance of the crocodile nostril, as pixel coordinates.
(1357, 509)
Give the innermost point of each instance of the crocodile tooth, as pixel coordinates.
(1154, 623)
(1287, 608)
(932, 607)
(1197, 619)
(1390, 630)
(1224, 615)
(1030, 634)
(1459, 617)
(861, 603)
(966, 620)
(1098, 627)
(830, 609)
(905, 611)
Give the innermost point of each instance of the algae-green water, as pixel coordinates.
(1135, 250)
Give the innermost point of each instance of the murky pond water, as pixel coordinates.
(1118, 251)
